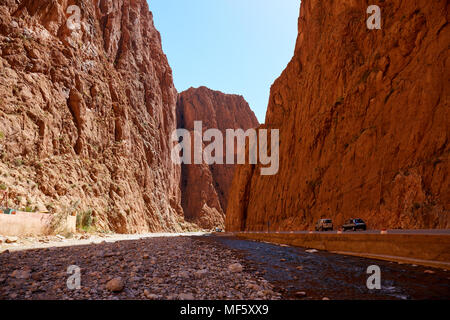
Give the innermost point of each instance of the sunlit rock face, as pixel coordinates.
(86, 114)
(364, 123)
(205, 187)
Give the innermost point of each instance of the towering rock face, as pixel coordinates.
(364, 122)
(205, 188)
(87, 108)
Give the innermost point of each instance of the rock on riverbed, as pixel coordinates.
(172, 268)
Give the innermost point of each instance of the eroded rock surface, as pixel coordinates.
(364, 122)
(86, 115)
(205, 187)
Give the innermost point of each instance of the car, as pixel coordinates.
(324, 225)
(354, 225)
(219, 230)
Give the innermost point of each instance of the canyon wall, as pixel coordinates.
(364, 123)
(86, 113)
(205, 187)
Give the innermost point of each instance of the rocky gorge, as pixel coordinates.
(87, 109)
(88, 106)
(88, 112)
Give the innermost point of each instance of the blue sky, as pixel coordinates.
(234, 46)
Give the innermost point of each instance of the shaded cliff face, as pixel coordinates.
(86, 116)
(364, 122)
(205, 188)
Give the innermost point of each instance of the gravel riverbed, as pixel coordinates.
(182, 268)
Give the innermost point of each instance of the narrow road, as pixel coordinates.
(396, 231)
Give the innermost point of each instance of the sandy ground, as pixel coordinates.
(40, 242)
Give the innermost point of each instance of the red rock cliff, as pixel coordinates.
(86, 116)
(205, 188)
(364, 121)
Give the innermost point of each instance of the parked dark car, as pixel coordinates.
(354, 224)
(324, 225)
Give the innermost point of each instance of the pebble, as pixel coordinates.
(186, 296)
(253, 287)
(150, 296)
(115, 285)
(235, 268)
(300, 294)
(201, 273)
(21, 274)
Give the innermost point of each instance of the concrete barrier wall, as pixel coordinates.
(29, 223)
(432, 250)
